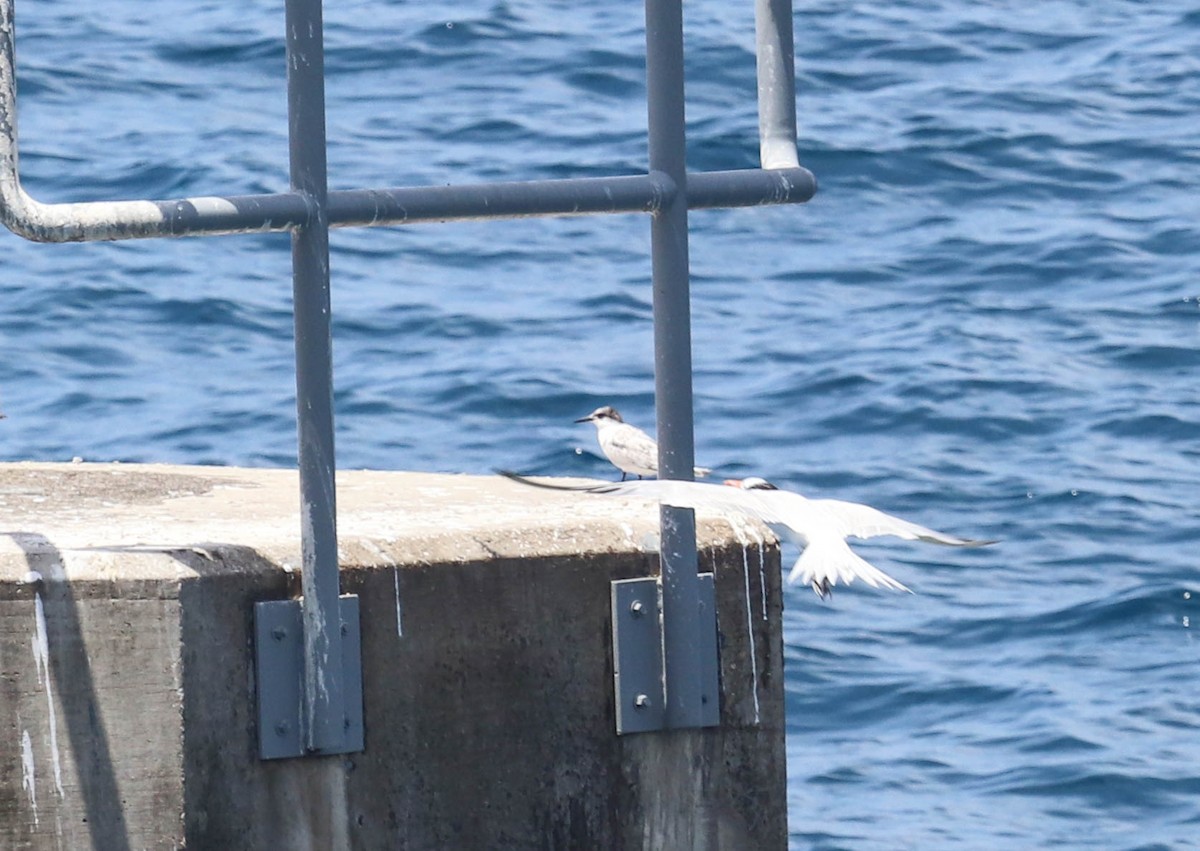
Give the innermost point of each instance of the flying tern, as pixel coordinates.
(630, 449)
(819, 526)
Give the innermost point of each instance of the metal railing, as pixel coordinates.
(325, 721)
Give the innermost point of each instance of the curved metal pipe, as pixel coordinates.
(776, 84)
(780, 181)
(110, 220)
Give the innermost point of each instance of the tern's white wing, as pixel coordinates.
(825, 561)
(821, 527)
(845, 519)
(701, 496)
(863, 521)
(698, 495)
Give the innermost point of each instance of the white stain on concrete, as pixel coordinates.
(396, 582)
(762, 575)
(748, 533)
(41, 657)
(387, 559)
(750, 634)
(28, 778)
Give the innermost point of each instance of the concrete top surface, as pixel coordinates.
(120, 521)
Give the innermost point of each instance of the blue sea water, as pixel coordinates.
(987, 321)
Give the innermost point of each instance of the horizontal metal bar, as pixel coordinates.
(115, 220)
(96, 221)
(752, 187)
(648, 193)
(635, 194)
(645, 193)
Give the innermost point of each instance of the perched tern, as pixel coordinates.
(630, 449)
(819, 526)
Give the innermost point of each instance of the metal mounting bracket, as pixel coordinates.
(279, 651)
(639, 685)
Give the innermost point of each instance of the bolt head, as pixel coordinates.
(279, 633)
(637, 608)
(642, 701)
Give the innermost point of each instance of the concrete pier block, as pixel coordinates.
(127, 678)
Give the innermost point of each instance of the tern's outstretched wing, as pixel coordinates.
(697, 495)
(863, 521)
(525, 480)
(820, 526)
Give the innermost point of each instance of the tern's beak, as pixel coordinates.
(733, 483)
(586, 419)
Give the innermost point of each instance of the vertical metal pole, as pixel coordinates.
(776, 84)
(673, 360)
(324, 698)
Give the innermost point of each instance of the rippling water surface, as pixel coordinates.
(988, 320)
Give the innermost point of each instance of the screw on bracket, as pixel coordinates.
(642, 701)
(637, 608)
(279, 633)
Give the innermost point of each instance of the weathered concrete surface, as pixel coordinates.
(127, 678)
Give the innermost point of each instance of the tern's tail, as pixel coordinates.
(827, 561)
